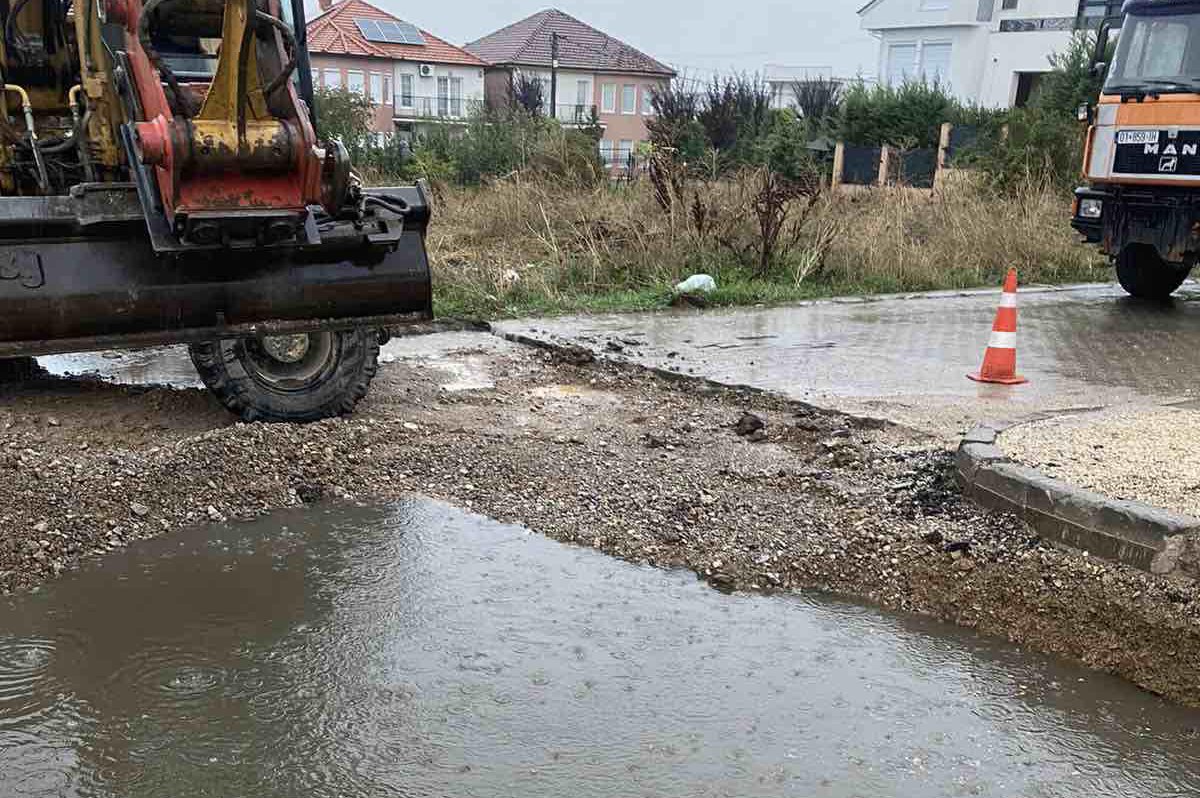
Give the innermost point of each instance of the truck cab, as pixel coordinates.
(1141, 202)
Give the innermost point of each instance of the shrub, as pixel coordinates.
(675, 125)
(735, 112)
(1043, 142)
(819, 101)
(907, 116)
(345, 115)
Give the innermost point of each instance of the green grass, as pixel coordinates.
(734, 289)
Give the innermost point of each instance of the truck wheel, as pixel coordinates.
(290, 378)
(1143, 274)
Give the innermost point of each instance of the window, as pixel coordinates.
(935, 62)
(316, 77)
(986, 7)
(377, 94)
(608, 100)
(624, 152)
(582, 90)
(1157, 48)
(629, 99)
(333, 78)
(606, 152)
(387, 90)
(406, 91)
(1008, 5)
(354, 81)
(456, 98)
(901, 63)
(647, 100)
(443, 96)
(1093, 12)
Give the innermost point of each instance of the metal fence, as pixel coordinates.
(923, 168)
(574, 113)
(440, 107)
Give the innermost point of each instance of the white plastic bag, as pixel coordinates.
(697, 284)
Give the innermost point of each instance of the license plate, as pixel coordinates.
(1137, 137)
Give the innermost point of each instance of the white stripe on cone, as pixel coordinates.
(1008, 300)
(1003, 340)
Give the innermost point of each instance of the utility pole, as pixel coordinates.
(554, 75)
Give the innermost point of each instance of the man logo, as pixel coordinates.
(1168, 164)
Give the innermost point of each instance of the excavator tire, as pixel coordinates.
(290, 378)
(1145, 275)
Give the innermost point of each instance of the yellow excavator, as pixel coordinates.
(1141, 203)
(161, 182)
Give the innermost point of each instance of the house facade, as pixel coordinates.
(595, 72)
(990, 52)
(414, 79)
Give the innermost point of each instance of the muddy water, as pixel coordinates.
(414, 650)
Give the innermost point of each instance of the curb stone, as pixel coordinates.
(1132, 533)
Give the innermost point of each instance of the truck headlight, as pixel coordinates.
(1091, 208)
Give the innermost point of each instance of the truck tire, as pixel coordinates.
(290, 378)
(1143, 274)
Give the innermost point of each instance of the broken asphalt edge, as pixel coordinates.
(1132, 533)
(703, 383)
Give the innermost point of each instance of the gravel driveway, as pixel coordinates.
(1150, 455)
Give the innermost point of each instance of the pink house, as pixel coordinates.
(595, 71)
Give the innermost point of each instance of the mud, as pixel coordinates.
(598, 454)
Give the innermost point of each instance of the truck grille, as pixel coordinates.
(1157, 153)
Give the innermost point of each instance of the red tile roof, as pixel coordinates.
(527, 43)
(334, 32)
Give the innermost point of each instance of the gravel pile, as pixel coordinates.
(1146, 455)
(656, 471)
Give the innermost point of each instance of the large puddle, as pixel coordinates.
(414, 650)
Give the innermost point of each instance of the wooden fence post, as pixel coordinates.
(839, 165)
(943, 154)
(885, 157)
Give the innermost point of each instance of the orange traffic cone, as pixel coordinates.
(1000, 360)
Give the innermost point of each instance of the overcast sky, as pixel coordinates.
(693, 35)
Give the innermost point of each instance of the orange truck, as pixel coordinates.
(1141, 203)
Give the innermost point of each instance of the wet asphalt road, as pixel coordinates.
(903, 359)
(417, 650)
(906, 359)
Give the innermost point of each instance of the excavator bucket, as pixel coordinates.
(93, 280)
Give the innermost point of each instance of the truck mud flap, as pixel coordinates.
(112, 291)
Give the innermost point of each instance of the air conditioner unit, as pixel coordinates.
(426, 70)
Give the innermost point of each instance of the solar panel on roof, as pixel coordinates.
(369, 28)
(410, 33)
(385, 30)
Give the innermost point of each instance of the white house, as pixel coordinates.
(991, 52)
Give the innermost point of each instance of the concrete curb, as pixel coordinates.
(1131, 533)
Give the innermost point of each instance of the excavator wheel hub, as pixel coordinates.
(290, 362)
(286, 348)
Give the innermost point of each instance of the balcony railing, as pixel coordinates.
(419, 107)
(574, 113)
